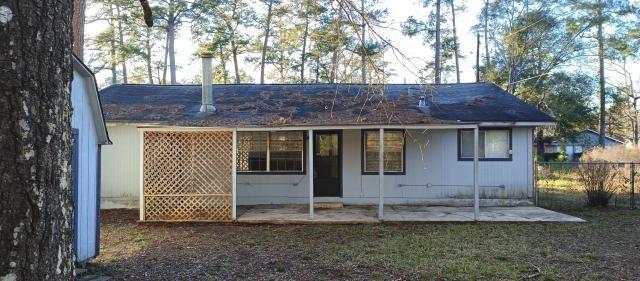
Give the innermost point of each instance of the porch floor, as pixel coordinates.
(351, 214)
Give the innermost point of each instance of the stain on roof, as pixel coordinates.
(316, 104)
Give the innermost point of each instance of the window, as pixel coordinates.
(393, 152)
(494, 144)
(270, 151)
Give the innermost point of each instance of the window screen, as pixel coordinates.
(270, 151)
(493, 144)
(393, 151)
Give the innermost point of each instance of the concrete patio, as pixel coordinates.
(350, 214)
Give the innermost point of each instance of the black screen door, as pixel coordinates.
(327, 168)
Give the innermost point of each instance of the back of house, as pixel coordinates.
(188, 152)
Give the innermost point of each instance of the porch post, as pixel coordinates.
(310, 172)
(476, 191)
(141, 199)
(234, 151)
(381, 173)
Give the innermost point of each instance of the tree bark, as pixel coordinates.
(171, 49)
(149, 55)
(305, 34)
(79, 7)
(164, 65)
(112, 43)
(455, 40)
(477, 57)
(601, 78)
(267, 30)
(223, 64)
(121, 45)
(35, 139)
(437, 45)
(236, 68)
(363, 57)
(487, 58)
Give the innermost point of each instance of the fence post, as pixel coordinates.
(536, 188)
(633, 185)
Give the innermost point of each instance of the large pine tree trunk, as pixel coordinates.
(171, 50)
(125, 77)
(363, 56)
(602, 92)
(79, 7)
(455, 40)
(305, 34)
(487, 58)
(36, 210)
(437, 45)
(267, 30)
(148, 59)
(236, 67)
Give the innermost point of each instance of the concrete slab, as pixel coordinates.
(490, 214)
(299, 214)
(350, 214)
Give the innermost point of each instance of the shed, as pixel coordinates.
(89, 134)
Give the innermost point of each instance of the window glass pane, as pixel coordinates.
(497, 144)
(285, 151)
(252, 151)
(393, 151)
(466, 144)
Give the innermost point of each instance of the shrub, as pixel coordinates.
(599, 181)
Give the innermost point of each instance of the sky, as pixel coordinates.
(398, 11)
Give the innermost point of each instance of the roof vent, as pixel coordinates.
(422, 102)
(207, 89)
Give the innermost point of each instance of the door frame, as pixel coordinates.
(315, 145)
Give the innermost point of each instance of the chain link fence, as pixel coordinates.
(564, 185)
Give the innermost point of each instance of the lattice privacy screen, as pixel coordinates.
(187, 176)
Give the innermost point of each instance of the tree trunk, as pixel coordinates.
(602, 93)
(236, 68)
(36, 239)
(305, 34)
(112, 43)
(267, 30)
(455, 40)
(540, 143)
(477, 57)
(223, 64)
(334, 56)
(363, 57)
(148, 58)
(487, 58)
(164, 65)
(121, 45)
(171, 49)
(79, 6)
(437, 45)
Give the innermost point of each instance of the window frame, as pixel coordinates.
(508, 129)
(304, 158)
(363, 134)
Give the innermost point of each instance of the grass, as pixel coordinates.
(606, 247)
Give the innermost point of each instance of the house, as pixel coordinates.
(89, 133)
(584, 141)
(191, 152)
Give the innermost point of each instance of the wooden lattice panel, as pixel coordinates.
(187, 176)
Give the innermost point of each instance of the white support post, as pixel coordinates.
(310, 172)
(381, 173)
(476, 191)
(234, 159)
(141, 198)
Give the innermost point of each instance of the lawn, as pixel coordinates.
(607, 247)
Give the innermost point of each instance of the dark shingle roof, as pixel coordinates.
(316, 104)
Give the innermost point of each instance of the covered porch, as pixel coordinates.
(367, 214)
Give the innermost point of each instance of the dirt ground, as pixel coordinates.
(606, 247)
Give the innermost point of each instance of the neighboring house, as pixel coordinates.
(89, 133)
(584, 141)
(191, 152)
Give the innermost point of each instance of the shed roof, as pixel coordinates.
(316, 104)
(94, 100)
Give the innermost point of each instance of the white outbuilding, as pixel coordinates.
(89, 134)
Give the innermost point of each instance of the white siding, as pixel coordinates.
(121, 169)
(82, 120)
(432, 167)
